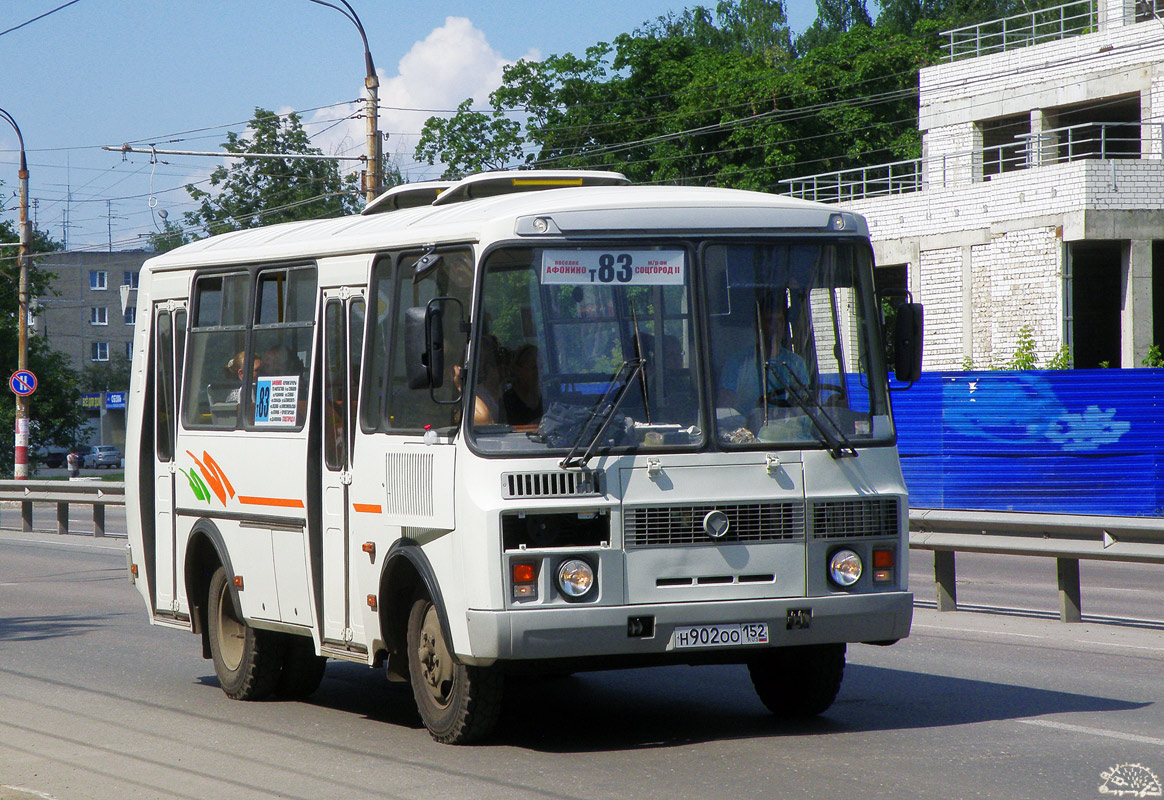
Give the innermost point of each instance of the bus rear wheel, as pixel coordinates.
(458, 703)
(798, 682)
(247, 661)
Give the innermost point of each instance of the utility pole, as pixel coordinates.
(374, 172)
(20, 467)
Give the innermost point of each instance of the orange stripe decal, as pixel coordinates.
(279, 502)
(367, 508)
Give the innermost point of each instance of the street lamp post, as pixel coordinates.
(20, 467)
(371, 103)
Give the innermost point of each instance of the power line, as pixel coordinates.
(42, 16)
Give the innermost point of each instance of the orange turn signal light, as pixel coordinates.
(372, 602)
(238, 581)
(523, 573)
(369, 548)
(883, 559)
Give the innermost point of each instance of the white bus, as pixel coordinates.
(525, 422)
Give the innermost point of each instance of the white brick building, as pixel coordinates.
(1039, 199)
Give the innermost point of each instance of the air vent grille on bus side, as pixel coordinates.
(849, 519)
(549, 484)
(670, 526)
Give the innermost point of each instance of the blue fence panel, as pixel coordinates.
(1072, 441)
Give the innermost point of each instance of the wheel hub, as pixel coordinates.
(435, 662)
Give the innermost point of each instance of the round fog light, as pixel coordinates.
(575, 577)
(845, 568)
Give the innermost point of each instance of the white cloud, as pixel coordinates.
(453, 62)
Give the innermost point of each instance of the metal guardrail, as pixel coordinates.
(64, 494)
(1084, 141)
(1021, 30)
(1065, 537)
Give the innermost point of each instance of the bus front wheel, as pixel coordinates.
(458, 703)
(247, 661)
(798, 681)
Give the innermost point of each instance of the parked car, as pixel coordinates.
(101, 455)
(50, 457)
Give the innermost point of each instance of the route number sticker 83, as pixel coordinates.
(613, 267)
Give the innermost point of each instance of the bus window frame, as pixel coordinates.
(246, 403)
(378, 406)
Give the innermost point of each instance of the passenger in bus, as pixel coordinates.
(236, 371)
(523, 398)
(487, 399)
(279, 360)
(740, 379)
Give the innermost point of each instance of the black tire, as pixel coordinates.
(247, 661)
(302, 668)
(459, 704)
(798, 682)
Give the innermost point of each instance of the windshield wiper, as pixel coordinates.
(834, 438)
(603, 412)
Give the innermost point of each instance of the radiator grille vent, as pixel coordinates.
(409, 484)
(851, 519)
(549, 484)
(683, 525)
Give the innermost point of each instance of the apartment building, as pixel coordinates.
(1039, 198)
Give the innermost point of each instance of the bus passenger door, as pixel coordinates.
(169, 331)
(343, 331)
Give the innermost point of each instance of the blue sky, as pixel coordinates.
(180, 73)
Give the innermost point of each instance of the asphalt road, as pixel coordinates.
(1001, 701)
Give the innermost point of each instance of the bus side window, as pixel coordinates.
(281, 347)
(401, 409)
(217, 335)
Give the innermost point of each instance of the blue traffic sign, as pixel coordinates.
(22, 382)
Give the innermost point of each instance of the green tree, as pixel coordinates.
(251, 192)
(170, 236)
(705, 97)
(470, 141)
(107, 376)
(833, 18)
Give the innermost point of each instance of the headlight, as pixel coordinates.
(845, 568)
(575, 578)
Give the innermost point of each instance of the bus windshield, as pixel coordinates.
(598, 348)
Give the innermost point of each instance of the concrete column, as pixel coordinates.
(1136, 315)
(1116, 13)
(1044, 147)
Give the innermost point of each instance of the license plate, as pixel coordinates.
(729, 635)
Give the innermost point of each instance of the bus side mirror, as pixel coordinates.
(907, 342)
(424, 346)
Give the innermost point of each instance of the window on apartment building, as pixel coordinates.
(1002, 148)
(129, 278)
(99, 351)
(98, 279)
(98, 315)
(130, 315)
(129, 351)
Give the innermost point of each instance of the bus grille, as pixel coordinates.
(548, 484)
(852, 519)
(671, 526)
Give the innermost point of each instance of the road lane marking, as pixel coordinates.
(1064, 726)
(975, 630)
(1122, 646)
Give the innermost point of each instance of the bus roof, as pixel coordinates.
(610, 209)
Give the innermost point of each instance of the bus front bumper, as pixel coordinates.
(579, 631)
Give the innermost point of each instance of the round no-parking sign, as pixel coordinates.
(22, 382)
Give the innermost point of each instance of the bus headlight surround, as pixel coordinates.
(845, 568)
(576, 578)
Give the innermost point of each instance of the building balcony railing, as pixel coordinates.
(1091, 140)
(1021, 30)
